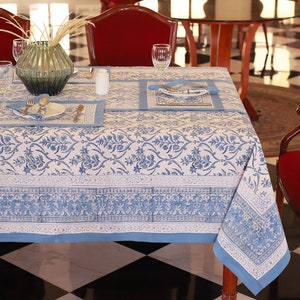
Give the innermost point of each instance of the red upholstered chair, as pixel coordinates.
(288, 172)
(124, 35)
(7, 38)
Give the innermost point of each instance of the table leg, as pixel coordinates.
(229, 285)
(214, 41)
(220, 38)
(246, 53)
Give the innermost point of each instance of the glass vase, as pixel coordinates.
(44, 69)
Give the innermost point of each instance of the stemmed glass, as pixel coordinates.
(161, 56)
(18, 47)
(6, 76)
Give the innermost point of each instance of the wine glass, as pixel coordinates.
(161, 56)
(18, 47)
(6, 76)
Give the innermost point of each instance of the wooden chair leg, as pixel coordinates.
(240, 37)
(199, 36)
(279, 199)
(279, 194)
(266, 36)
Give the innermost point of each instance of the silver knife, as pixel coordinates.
(184, 91)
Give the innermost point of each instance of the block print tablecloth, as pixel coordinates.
(146, 175)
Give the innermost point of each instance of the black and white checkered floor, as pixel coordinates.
(142, 271)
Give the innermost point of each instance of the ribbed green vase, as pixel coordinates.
(44, 69)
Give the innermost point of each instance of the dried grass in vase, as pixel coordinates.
(70, 27)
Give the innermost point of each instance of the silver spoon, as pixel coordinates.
(42, 103)
(90, 73)
(78, 112)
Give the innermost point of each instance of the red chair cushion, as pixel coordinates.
(289, 176)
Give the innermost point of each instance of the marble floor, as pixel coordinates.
(142, 271)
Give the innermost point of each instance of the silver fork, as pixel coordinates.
(169, 88)
(29, 103)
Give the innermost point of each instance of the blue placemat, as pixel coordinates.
(92, 115)
(154, 99)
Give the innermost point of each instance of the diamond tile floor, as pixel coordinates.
(142, 271)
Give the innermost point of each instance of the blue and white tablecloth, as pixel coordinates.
(172, 175)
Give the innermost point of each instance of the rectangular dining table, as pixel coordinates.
(143, 165)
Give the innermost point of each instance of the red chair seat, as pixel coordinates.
(289, 178)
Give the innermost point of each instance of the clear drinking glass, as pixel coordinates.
(161, 56)
(6, 76)
(18, 47)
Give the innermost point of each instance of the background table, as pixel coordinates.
(222, 16)
(148, 173)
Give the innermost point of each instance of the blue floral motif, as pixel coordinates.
(114, 143)
(86, 161)
(9, 144)
(242, 160)
(141, 161)
(169, 143)
(226, 144)
(200, 131)
(58, 143)
(259, 236)
(266, 182)
(198, 161)
(32, 162)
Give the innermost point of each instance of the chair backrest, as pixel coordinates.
(288, 172)
(6, 39)
(285, 141)
(124, 35)
(106, 4)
